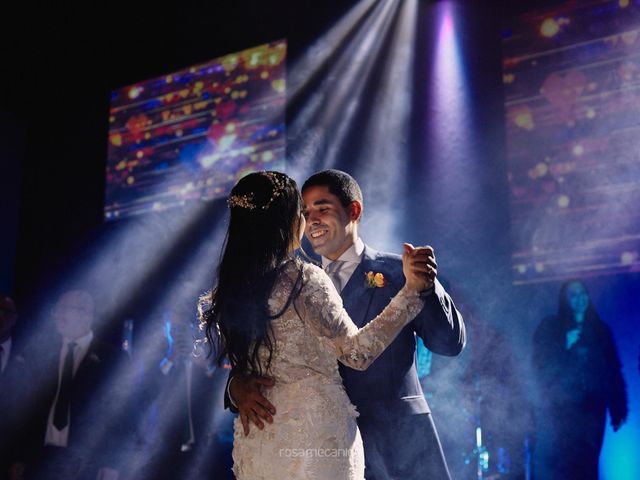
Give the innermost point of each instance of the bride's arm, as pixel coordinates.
(356, 348)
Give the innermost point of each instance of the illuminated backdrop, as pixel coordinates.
(190, 135)
(572, 86)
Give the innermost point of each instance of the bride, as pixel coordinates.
(272, 314)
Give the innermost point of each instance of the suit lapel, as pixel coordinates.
(88, 363)
(356, 296)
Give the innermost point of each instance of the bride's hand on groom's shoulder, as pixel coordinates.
(246, 391)
(419, 267)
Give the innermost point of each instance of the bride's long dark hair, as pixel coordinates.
(264, 224)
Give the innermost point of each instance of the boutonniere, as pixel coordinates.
(375, 280)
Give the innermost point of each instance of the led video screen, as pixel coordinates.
(188, 136)
(572, 100)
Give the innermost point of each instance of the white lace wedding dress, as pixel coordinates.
(314, 434)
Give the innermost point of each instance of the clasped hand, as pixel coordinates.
(419, 267)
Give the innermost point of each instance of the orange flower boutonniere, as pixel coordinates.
(375, 280)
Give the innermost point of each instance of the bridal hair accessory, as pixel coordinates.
(247, 200)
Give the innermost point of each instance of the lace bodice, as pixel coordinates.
(316, 330)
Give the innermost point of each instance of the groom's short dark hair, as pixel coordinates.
(339, 183)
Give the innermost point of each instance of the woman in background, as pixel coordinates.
(578, 371)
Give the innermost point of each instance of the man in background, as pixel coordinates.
(74, 431)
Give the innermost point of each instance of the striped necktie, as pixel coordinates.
(333, 270)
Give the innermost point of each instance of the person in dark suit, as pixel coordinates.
(12, 376)
(180, 408)
(8, 319)
(399, 436)
(74, 430)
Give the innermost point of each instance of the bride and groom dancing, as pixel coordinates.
(301, 338)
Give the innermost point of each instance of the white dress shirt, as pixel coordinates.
(351, 258)
(6, 351)
(55, 437)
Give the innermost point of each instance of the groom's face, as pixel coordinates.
(330, 228)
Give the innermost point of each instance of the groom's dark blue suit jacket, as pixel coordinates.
(391, 382)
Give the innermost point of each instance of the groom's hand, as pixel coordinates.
(247, 395)
(420, 267)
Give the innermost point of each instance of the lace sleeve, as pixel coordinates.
(356, 348)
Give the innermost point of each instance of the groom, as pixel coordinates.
(399, 436)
